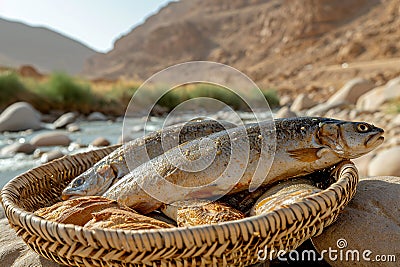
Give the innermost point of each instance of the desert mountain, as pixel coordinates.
(286, 44)
(47, 50)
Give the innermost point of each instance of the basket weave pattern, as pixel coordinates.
(234, 243)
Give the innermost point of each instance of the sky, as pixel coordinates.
(95, 23)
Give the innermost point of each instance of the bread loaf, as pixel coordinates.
(76, 211)
(124, 218)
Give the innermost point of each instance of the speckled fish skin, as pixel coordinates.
(283, 194)
(303, 145)
(97, 179)
(197, 212)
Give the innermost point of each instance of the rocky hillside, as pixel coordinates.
(286, 44)
(47, 50)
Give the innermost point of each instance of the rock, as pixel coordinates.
(74, 146)
(14, 252)
(64, 120)
(285, 100)
(51, 139)
(374, 99)
(323, 108)
(371, 221)
(371, 100)
(351, 91)
(100, 141)
(97, 116)
(285, 112)
(362, 163)
(396, 121)
(18, 117)
(350, 51)
(302, 102)
(51, 155)
(12, 149)
(73, 127)
(386, 163)
(392, 90)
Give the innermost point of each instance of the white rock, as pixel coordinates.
(73, 127)
(351, 91)
(386, 163)
(285, 100)
(97, 116)
(374, 99)
(51, 139)
(285, 112)
(302, 102)
(396, 121)
(371, 100)
(51, 155)
(64, 120)
(20, 116)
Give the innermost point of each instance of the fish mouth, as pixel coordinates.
(67, 195)
(375, 140)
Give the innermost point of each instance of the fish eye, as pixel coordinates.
(78, 182)
(362, 127)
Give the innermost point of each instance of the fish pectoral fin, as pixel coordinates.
(322, 151)
(305, 154)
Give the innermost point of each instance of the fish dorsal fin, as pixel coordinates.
(305, 154)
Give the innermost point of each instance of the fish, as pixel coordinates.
(198, 212)
(283, 194)
(243, 158)
(97, 179)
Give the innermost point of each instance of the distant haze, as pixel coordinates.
(96, 24)
(47, 50)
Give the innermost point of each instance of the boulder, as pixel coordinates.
(97, 116)
(386, 163)
(374, 99)
(51, 155)
(351, 91)
(100, 141)
(302, 102)
(14, 148)
(370, 222)
(64, 120)
(392, 89)
(285, 112)
(371, 100)
(20, 116)
(51, 139)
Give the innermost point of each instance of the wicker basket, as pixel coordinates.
(233, 243)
